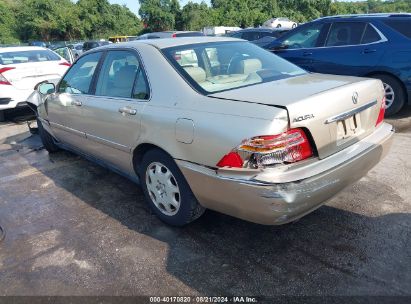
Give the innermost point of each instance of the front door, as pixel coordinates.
(111, 116)
(300, 45)
(65, 106)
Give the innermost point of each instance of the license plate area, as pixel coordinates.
(348, 129)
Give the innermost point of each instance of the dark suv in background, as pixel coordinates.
(259, 36)
(374, 45)
(88, 45)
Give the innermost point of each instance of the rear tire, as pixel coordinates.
(294, 25)
(47, 139)
(166, 190)
(394, 93)
(278, 25)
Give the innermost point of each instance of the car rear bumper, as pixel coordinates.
(11, 98)
(262, 198)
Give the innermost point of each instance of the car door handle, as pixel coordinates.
(307, 54)
(368, 51)
(76, 103)
(127, 110)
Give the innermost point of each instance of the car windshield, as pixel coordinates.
(221, 66)
(27, 56)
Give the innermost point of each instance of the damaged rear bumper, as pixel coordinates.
(274, 197)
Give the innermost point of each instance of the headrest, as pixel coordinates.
(197, 73)
(342, 34)
(125, 76)
(249, 66)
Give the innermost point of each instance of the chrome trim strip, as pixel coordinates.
(108, 143)
(350, 113)
(67, 129)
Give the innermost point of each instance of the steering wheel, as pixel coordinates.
(296, 46)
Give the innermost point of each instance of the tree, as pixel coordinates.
(158, 15)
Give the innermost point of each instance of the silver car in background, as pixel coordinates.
(216, 123)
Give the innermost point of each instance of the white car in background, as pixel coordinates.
(280, 23)
(21, 68)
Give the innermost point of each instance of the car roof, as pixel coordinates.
(262, 29)
(366, 16)
(21, 48)
(172, 42)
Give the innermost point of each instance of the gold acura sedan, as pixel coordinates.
(216, 123)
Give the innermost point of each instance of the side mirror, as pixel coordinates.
(277, 45)
(46, 88)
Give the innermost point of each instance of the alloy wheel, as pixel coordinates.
(389, 95)
(163, 188)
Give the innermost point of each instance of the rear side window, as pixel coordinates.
(401, 26)
(78, 78)
(345, 33)
(370, 35)
(28, 56)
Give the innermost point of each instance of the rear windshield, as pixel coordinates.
(401, 26)
(28, 56)
(221, 66)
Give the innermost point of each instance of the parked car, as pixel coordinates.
(252, 135)
(77, 49)
(39, 43)
(262, 37)
(169, 34)
(88, 45)
(377, 46)
(21, 68)
(252, 34)
(220, 30)
(280, 23)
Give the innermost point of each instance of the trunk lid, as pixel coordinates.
(25, 76)
(336, 110)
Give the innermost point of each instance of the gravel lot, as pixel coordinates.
(74, 228)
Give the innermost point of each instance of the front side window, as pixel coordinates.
(220, 66)
(304, 37)
(28, 57)
(78, 78)
(117, 75)
(345, 33)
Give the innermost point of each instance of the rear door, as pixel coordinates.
(351, 48)
(111, 116)
(300, 45)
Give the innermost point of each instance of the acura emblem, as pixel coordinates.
(355, 98)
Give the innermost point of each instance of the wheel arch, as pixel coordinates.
(140, 151)
(404, 89)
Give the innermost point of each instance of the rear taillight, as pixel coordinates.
(174, 35)
(3, 80)
(261, 151)
(381, 114)
(65, 64)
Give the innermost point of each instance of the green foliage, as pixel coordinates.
(23, 20)
(64, 20)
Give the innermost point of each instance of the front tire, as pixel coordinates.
(279, 25)
(2, 116)
(394, 94)
(166, 190)
(47, 139)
